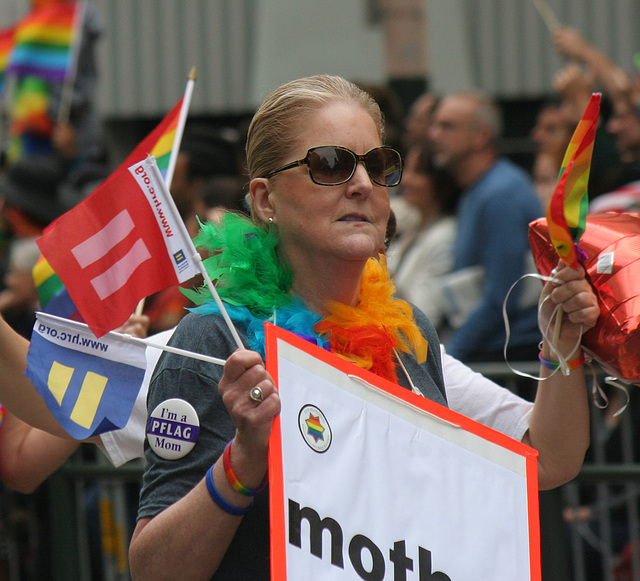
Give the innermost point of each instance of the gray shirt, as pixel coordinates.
(167, 481)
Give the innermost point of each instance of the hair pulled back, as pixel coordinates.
(282, 115)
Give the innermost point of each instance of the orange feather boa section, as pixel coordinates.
(368, 334)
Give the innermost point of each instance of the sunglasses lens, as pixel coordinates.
(330, 165)
(384, 166)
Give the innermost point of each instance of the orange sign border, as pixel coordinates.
(277, 510)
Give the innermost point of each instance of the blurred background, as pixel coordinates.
(244, 48)
(77, 525)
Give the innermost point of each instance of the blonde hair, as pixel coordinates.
(280, 118)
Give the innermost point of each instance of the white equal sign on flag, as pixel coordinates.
(90, 385)
(371, 481)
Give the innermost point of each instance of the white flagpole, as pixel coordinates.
(148, 342)
(152, 167)
(182, 119)
(223, 311)
(177, 351)
(547, 14)
(177, 140)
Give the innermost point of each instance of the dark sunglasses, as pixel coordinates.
(332, 165)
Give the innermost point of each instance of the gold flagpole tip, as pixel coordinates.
(193, 74)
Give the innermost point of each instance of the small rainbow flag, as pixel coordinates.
(6, 46)
(53, 296)
(44, 41)
(159, 142)
(164, 146)
(569, 204)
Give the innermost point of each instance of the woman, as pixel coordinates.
(194, 521)
(419, 258)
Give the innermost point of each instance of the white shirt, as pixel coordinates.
(418, 261)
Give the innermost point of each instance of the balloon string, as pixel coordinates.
(597, 393)
(621, 385)
(562, 360)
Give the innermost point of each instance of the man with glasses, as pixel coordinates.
(496, 207)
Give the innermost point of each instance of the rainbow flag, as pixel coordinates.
(159, 142)
(164, 146)
(44, 39)
(567, 210)
(6, 45)
(53, 296)
(31, 126)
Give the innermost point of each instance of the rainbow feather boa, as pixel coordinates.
(255, 285)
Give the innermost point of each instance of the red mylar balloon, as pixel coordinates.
(612, 245)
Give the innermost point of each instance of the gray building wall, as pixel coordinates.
(243, 48)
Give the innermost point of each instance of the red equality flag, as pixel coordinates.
(123, 243)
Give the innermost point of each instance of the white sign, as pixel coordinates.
(371, 481)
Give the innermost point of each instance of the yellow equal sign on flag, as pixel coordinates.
(59, 379)
(90, 396)
(93, 386)
(88, 384)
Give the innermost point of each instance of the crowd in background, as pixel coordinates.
(449, 142)
(459, 239)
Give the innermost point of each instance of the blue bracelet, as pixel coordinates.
(221, 502)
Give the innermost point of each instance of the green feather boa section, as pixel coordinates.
(244, 266)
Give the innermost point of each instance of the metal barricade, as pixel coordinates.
(600, 507)
(93, 507)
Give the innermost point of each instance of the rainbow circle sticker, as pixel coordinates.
(314, 428)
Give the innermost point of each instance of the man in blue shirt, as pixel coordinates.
(494, 213)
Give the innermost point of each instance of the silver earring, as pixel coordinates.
(270, 220)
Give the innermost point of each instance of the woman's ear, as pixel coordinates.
(261, 199)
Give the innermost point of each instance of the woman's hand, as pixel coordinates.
(244, 371)
(578, 302)
(20, 292)
(559, 423)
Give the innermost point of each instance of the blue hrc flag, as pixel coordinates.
(88, 384)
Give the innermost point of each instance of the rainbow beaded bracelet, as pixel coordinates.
(233, 480)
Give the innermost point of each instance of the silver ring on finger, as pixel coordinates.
(256, 394)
